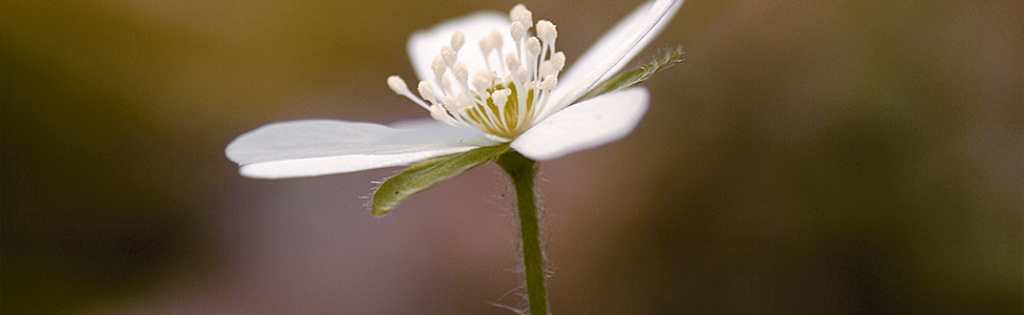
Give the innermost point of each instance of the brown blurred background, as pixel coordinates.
(856, 157)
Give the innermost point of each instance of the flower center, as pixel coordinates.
(508, 94)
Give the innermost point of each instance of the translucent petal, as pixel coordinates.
(320, 147)
(424, 45)
(613, 51)
(588, 124)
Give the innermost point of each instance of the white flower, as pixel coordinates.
(508, 89)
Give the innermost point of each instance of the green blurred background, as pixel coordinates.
(856, 157)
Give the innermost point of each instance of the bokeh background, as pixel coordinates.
(855, 157)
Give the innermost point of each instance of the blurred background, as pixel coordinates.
(808, 157)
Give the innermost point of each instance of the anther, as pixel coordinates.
(558, 62)
(546, 68)
(438, 66)
(517, 30)
(520, 14)
(549, 83)
(398, 85)
(438, 112)
(457, 40)
(446, 84)
(449, 55)
(482, 82)
(426, 91)
(522, 75)
(486, 45)
(546, 31)
(449, 102)
(533, 47)
(497, 40)
(511, 62)
(461, 72)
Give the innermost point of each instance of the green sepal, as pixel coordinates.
(638, 75)
(424, 175)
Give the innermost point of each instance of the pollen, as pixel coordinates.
(508, 95)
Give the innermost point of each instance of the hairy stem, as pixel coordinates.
(522, 171)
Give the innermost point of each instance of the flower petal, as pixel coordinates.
(320, 147)
(590, 123)
(424, 45)
(613, 51)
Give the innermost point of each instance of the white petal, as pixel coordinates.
(590, 123)
(613, 51)
(320, 147)
(424, 45)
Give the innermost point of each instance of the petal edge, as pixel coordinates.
(320, 147)
(624, 40)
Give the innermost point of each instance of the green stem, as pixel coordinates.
(522, 172)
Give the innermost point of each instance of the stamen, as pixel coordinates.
(426, 92)
(558, 62)
(549, 83)
(482, 82)
(520, 14)
(492, 114)
(533, 47)
(461, 73)
(446, 85)
(438, 112)
(546, 31)
(486, 45)
(497, 40)
(517, 30)
(398, 85)
(532, 53)
(546, 68)
(449, 103)
(449, 55)
(522, 75)
(438, 67)
(500, 99)
(511, 62)
(457, 40)
(502, 102)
